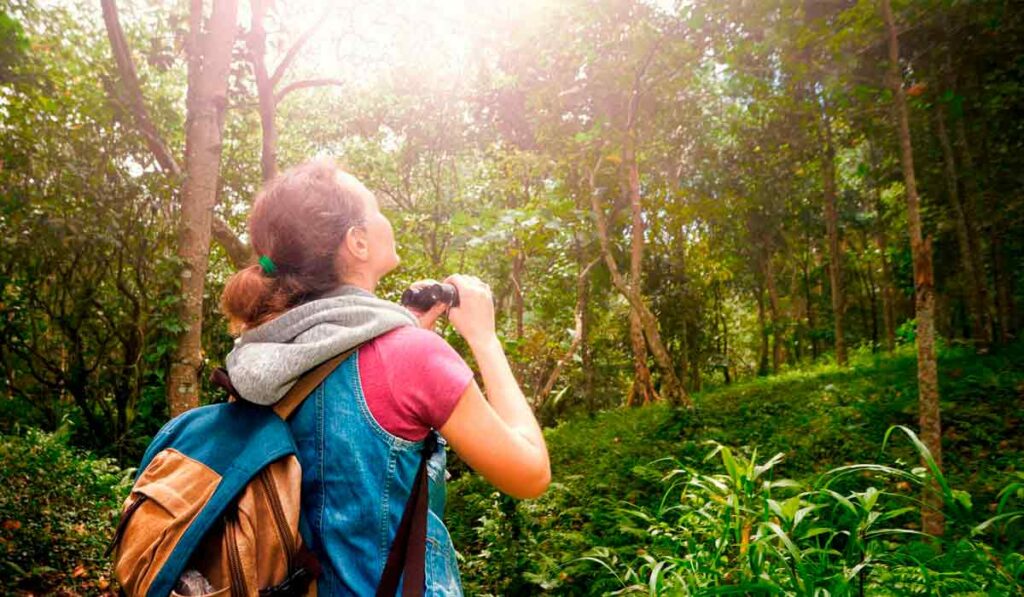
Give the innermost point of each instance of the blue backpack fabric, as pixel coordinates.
(236, 440)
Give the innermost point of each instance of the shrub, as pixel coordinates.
(58, 510)
(743, 531)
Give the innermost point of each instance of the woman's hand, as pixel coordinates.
(474, 317)
(428, 318)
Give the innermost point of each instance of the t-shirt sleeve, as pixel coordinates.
(425, 378)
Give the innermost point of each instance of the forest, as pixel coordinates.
(758, 266)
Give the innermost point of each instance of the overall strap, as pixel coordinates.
(307, 383)
(408, 552)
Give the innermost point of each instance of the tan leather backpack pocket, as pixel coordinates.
(165, 500)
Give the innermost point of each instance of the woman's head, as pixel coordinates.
(319, 227)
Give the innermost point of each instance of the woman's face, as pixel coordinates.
(382, 256)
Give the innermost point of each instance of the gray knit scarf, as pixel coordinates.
(267, 360)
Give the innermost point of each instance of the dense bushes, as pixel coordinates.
(58, 510)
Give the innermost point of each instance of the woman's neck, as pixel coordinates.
(361, 280)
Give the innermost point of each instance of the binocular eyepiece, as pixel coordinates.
(423, 298)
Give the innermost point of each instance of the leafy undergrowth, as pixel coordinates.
(617, 516)
(761, 490)
(58, 510)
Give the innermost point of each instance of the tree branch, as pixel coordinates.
(130, 82)
(304, 84)
(293, 51)
(581, 281)
(154, 141)
(238, 252)
(257, 42)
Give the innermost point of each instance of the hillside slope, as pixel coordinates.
(818, 419)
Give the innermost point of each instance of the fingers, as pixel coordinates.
(466, 283)
(429, 318)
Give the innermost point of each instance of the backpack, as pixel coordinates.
(215, 507)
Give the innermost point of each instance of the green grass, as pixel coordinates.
(818, 419)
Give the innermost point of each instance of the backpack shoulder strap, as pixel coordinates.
(307, 383)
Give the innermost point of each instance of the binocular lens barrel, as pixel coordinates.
(425, 297)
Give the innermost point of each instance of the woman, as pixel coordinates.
(323, 246)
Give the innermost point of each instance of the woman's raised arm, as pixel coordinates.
(498, 437)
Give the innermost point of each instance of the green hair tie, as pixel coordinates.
(268, 265)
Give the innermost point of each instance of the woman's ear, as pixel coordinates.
(356, 243)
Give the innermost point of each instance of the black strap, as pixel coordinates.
(123, 524)
(219, 377)
(408, 552)
(305, 571)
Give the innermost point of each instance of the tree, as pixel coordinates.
(932, 520)
(86, 264)
(269, 89)
(208, 49)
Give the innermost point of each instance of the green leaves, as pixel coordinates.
(60, 507)
(729, 534)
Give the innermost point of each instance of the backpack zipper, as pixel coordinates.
(234, 557)
(280, 521)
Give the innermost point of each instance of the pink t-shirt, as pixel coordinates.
(412, 379)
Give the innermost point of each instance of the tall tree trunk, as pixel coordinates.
(684, 354)
(723, 344)
(968, 177)
(696, 380)
(673, 389)
(1004, 288)
(257, 42)
(794, 314)
(642, 321)
(981, 327)
(762, 324)
(835, 269)
(812, 325)
(888, 294)
(642, 390)
(684, 340)
(869, 279)
(774, 309)
(932, 519)
(881, 241)
(209, 66)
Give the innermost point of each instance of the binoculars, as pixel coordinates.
(425, 297)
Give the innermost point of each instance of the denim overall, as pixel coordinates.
(356, 480)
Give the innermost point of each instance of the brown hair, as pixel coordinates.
(298, 220)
